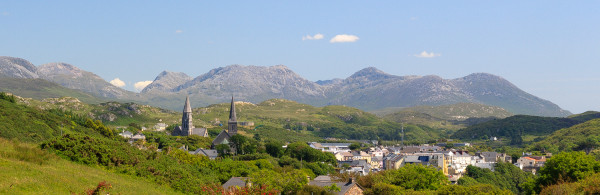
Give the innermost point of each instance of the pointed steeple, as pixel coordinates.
(232, 116)
(186, 119)
(232, 123)
(187, 107)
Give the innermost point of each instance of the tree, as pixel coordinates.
(223, 150)
(354, 146)
(240, 142)
(274, 148)
(416, 177)
(567, 167)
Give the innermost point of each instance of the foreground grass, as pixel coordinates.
(25, 169)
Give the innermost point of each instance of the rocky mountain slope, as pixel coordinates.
(11, 67)
(167, 81)
(64, 74)
(72, 77)
(367, 89)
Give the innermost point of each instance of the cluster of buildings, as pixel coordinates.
(452, 162)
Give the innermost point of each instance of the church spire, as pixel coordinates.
(232, 116)
(187, 107)
(232, 123)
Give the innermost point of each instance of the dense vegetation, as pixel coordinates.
(515, 127)
(451, 117)
(581, 137)
(505, 176)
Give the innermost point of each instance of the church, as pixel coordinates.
(187, 128)
(225, 135)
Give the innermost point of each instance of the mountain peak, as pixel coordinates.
(59, 68)
(16, 68)
(370, 73)
(166, 81)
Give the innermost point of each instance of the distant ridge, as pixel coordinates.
(367, 89)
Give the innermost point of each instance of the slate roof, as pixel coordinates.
(199, 131)
(212, 154)
(344, 186)
(220, 138)
(235, 181)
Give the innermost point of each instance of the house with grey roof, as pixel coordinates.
(238, 182)
(211, 154)
(346, 188)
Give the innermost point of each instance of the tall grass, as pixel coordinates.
(24, 152)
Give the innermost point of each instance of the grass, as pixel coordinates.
(26, 169)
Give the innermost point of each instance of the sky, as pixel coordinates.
(550, 49)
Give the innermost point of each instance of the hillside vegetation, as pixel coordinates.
(515, 127)
(26, 169)
(581, 137)
(41, 89)
(453, 117)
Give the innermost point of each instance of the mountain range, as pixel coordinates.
(367, 89)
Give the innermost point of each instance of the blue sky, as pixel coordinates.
(550, 49)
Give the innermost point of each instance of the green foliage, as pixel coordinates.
(415, 177)
(285, 182)
(34, 125)
(504, 176)
(472, 189)
(301, 151)
(567, 167)
(581, 137)
(515, 127)
(178, 170)
(9, 98)
(354, 146)
(274, 148)
(589, 185)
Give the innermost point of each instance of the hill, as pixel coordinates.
(26, 169)
(580, 137)
(515, 127)
(41, 89)
(454, 116)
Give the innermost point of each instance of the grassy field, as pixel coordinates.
(26, 169)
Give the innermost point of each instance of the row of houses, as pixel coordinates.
(452, 162)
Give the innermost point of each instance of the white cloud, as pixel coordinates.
(5, 13)
(344, 38)
(117, 82)
(414, 18)
(315, 37)
(141, 85)
(179, 31)
(424, 54)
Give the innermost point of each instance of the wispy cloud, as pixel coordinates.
(5, 13)
(178, 31)
(315, 37)
(117, 82)
(424, 54)
(141, 85)
(344, 38)
(414, 18)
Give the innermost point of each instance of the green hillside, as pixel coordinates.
(26, 169)
(516, 127)
(329, 121)
(581, 137)
(453, 117)
(41, 89)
